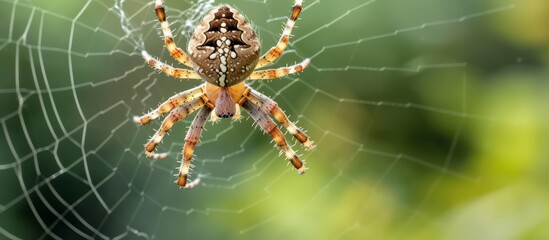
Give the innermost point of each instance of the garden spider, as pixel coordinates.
(223, 51)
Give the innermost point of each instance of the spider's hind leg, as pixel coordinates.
(269, 74)
(167, 69)
(275, 52)
(176, 52)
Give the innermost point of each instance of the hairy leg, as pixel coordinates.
(279, 72)
(176, 52)
(275, 52)
(269, 106)
(193, 135)
(173, 102)
(175, 115)
(169, 70)
(269, 126)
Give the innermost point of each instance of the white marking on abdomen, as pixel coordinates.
(222, 80)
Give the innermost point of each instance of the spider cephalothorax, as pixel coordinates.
(224, 52)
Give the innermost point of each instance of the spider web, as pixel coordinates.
(408, 102)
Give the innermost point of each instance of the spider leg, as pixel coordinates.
(169, 70)
(175, 115)
(269, 106)
(173, 102)
(176, 52)
(193, 135)
(279, 72)
(277, 50)
(269, 126)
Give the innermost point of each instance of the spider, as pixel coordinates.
(224, 52)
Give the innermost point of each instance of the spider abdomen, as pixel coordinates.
(224, 48)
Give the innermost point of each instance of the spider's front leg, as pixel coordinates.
(193, 135)
(269, 126)
(175, 115)
(173, 102)
(269, 106)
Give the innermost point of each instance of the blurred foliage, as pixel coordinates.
(455, 152)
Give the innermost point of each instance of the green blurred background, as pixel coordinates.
(430, 117)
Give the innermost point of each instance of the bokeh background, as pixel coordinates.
(430, 116)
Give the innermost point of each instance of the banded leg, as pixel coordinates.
(193, 135)
(175, 115)
(169, 70)
(277, 50)
(279, 72)
(269, 106)
(176, 52)
(269, 126)
(173, 102)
